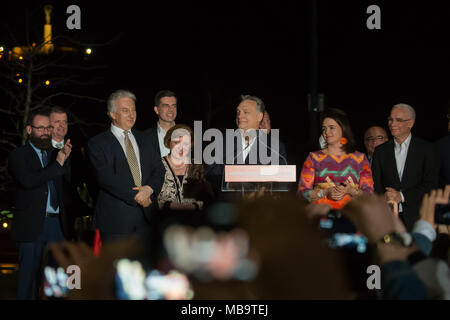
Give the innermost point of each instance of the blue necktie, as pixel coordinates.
(51, 184)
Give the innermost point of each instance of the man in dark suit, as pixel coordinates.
(129, 172)
(267, 126)
(166, 110)
(404, 168)
(76, 167)
(40, 215)
(250, 145)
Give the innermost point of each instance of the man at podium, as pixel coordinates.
(248, 145)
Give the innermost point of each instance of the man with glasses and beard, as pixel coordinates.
(38, 171)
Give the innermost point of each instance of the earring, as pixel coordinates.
(343, 141)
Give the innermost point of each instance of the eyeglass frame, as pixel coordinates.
(371, 139)
(42, 129)
(397, 120)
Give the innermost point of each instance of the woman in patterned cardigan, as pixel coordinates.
(184, 184)
(337, 173)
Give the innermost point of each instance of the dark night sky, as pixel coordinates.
(263, 48)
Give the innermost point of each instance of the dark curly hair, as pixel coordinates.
(342, 120)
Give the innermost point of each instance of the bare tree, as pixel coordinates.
(32, 76)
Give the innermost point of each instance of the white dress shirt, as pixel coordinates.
(161, 134)
(120, 135)
(401, 151)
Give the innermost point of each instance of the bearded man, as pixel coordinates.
(38, 171)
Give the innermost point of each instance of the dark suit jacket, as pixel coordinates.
(152, 135)
(31, 192)
(419, 175)
(263, 141)
(78, 170)
(214, 173)
(116, 210)
(443, 160)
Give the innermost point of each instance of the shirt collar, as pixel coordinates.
(38, 151)
(55, 143)
(118, 131)
(161, 130)
(405, 143)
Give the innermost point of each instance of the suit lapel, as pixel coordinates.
(391, 159)
(142, 154)
(33, 154)
(155, 139)
(409, 158)
(117, 148)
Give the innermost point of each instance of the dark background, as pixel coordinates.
(210, 52)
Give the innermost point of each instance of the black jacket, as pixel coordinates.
(419, 175)
(116, 210)
(152, 135)
(214, 173)
(31, 192)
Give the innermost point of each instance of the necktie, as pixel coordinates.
(59, 145)
(247, 141)
(132, 160)
(51, 184)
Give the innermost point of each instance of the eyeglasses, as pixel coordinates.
(390, 120)
(42, 129)
(373, 139)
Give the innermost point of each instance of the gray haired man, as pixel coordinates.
(404, 168)
(128, 170)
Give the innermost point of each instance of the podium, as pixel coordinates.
(243, 179)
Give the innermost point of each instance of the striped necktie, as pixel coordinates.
(132, 160)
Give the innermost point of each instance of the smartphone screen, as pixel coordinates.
(349, 240)
(55, 282)
(133, 282)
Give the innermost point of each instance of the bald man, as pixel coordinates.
(373, 137)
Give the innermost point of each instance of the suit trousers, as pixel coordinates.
(30, 258)
(141, 231)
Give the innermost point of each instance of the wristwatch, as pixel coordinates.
(403, 239)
